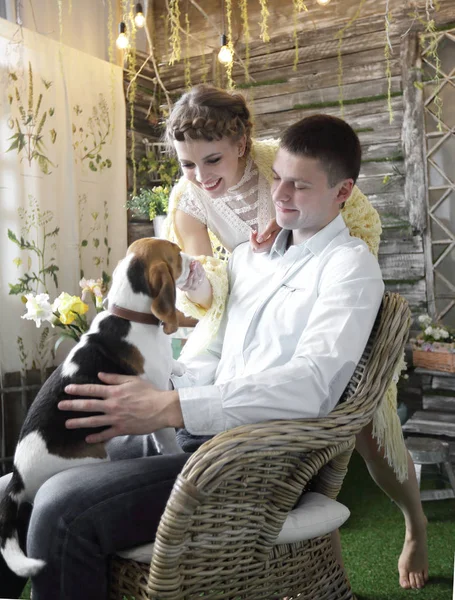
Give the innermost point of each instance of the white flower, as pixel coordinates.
(425, 320)
(429, 331)
(444, 333)
(436, 334)
(38, 309)
(94, 287)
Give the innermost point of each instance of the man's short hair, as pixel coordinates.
(330, 140)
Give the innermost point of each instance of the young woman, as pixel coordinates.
(224, 199)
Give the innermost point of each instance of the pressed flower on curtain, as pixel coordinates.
(62, 187)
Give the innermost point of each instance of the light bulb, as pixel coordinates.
(122, 42)
(139, 19)
(323, 2)
(225, 54)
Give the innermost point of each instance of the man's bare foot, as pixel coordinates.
(413, 562)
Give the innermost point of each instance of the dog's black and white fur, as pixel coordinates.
(143, 282)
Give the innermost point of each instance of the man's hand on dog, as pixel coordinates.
(130, 406)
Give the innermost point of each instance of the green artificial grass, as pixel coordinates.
(372, 539)
(373, 536)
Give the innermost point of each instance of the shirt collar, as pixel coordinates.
(316, 243)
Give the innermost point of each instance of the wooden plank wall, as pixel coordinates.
(280, 95)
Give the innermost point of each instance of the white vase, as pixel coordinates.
(158, 223)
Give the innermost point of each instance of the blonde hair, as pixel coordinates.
(209, 113)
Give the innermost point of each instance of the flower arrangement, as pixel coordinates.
(152, 202)
(434, 333)
(68, 313)
(434, 347)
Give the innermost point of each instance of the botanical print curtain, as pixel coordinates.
(62, 181)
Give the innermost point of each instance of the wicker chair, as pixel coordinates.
(216, 538)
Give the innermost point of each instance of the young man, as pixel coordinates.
(297, 321)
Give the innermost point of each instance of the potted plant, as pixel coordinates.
(434, 347)
(152, 203)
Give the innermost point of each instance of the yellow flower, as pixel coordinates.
(68, 307)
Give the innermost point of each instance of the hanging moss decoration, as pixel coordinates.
(229, 65)
(264, 21)
(388, 50)
(430, 43)
(204, 60)
(340, 36)
(166, 21)
(60, 19)
(174, 18)
(187, 53)
(111, 52)
(298, 7)
(128, 18)
(246, 36)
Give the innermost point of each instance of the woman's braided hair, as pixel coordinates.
(209, 113)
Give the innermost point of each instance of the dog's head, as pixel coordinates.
(155, 268)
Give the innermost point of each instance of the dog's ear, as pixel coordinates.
(162, 287)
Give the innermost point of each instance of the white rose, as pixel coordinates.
(444, 333)
(436, 334)
(428, 331)
(38, 308)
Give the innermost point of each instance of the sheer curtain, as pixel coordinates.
(62, 180)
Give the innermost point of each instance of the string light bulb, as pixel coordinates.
(122, 42)
(323, 2)
(225, 54)
(139, 19)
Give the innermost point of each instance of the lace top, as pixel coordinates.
(245, 206)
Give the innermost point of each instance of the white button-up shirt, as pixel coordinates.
(296, 324)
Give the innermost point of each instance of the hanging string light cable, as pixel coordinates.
(224, 55)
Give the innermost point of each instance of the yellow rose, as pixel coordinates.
(68, 307)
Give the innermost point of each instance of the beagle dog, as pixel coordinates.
(131, 338)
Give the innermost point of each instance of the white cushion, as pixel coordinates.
(314, 515)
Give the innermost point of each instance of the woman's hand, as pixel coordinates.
(130, 406)
(262, 242)
(196, 278)
(197, 287)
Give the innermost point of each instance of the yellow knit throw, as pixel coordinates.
(363, 222)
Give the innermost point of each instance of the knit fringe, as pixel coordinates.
(387, 428)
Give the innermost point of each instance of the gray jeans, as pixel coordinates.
(83, 515)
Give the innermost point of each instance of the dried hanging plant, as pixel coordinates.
(110, 30)
(128, 18)
(246, 36)
(264, 21)
(388, 51)
(230, 44)
(298, 7)
(430, 41)
(166, 36)
(174, 17)
(340, 36)
(204, 61)
(187, 53)
(60, 19)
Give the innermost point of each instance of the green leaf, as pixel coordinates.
(84, 243)
(96, 242)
